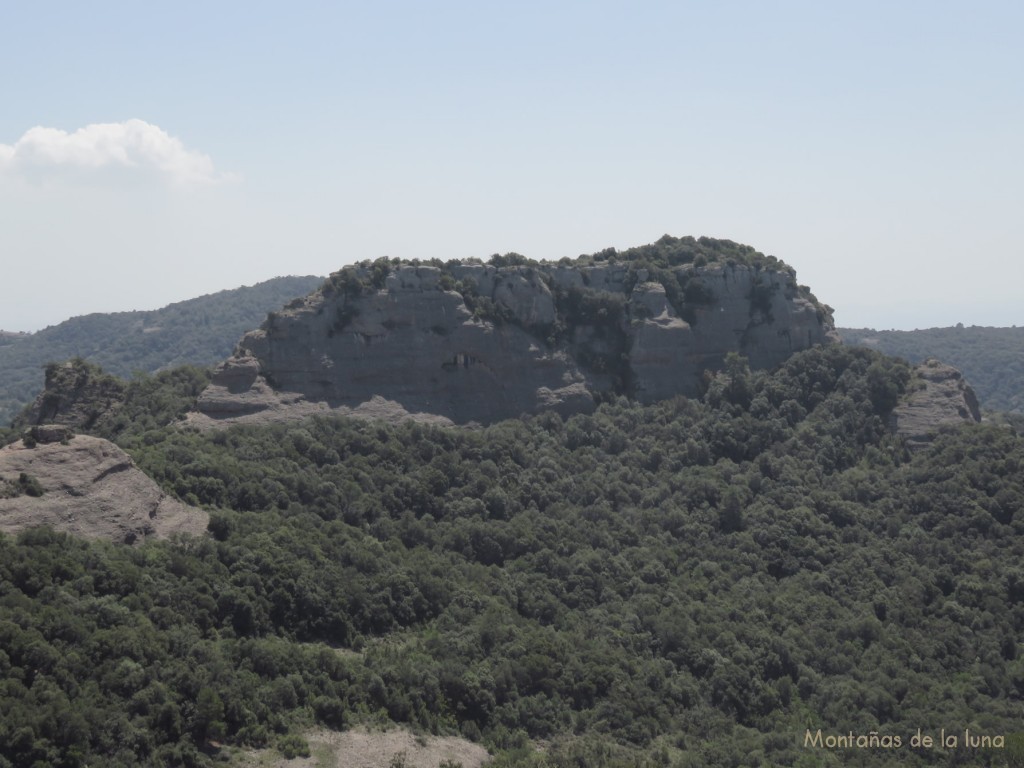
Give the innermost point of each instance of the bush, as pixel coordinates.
(292, 745)
(329, 711)
(29, 485)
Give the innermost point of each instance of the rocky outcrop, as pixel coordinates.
(941, 397)
(88, 487)
(76, 394)
(478, 343)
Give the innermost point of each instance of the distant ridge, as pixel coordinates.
(992, 359)
(198, 331)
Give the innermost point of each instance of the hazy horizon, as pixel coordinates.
(153, 154)
(139, 308)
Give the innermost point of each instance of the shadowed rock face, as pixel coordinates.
(480, 343)
(944, 397)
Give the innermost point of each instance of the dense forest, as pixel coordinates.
(200, 331)
(991, 359)
(701, 582)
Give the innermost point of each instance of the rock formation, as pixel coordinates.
(88, 487)
(469, 342)
(76, 394)
(942, 397)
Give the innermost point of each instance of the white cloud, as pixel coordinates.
(131, 144)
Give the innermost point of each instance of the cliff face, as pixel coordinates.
(474, 342)
(941, 397)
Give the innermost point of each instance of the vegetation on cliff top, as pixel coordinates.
(660, 259)
(667, 251)
(677, 264)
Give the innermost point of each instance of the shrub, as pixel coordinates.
(292, 745)
(29, 485)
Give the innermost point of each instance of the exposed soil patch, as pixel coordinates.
(363, 748)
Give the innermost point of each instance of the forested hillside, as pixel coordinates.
(991, 359)
(199, 331)
(693, 583)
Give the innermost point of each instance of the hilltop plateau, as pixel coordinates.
(473, 342)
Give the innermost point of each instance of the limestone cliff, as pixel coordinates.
(469, 342)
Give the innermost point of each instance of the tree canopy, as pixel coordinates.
(692, 583)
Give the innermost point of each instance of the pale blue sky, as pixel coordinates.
(878, 147)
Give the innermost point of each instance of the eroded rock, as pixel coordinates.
(89, 487)
(943, 397)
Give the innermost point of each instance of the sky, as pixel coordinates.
(154, 152)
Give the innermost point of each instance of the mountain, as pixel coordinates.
(471, 342)
(802, 564)
(710, 581)
(199, 331)
(992, 359)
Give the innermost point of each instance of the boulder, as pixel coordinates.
(47, 433)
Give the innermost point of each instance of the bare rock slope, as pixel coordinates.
(469, 342)
(942, 397)
(364, 748)
(89, 487)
